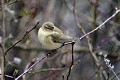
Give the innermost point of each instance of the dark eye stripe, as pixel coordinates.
(49, 27)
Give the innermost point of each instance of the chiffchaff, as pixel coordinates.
(51, 37)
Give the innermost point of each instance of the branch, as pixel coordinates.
(27, 70)
(100, 26)
(86, 35)
(27, 32)
(72, 63)
(3, 43)
(83, 31)
(8, 76)
(13, 2)
(9, 4)
(115, 76)
(53, 69)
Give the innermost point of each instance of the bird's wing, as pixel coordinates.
(60, 38)
(58, 30)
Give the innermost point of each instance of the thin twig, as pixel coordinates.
(8, 76)
(117, 11)
(44, 70)
(100, 26)
(70, 68)
(72, 63)
(30, 68)
(115, 76)
(27, 32)
(80, 14)
(83, 31)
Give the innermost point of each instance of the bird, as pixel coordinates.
(51, 37)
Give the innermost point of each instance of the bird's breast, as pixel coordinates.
(46, 40)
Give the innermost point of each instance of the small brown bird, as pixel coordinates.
(52, 37)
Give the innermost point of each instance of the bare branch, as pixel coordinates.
(85, 35)
(100, 26)
(27, 32)
(72, 63)
(30, 68)
(8, 76)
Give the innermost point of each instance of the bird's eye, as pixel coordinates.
(49, 27)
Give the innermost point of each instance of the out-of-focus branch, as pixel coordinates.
(117, 11)
(3, 43)
(27, 32)
(83, 31)
(54, 69)
(115, 76)
(100, 26)
(86, 34)
(79, 14)
(44, 70)
(30, 68)
(13, 2)
(9, 4)
(8, 76)
(3, 63)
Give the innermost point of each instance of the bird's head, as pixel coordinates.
(48, 26)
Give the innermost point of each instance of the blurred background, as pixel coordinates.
(75, 18)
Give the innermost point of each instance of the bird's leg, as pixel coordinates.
(65, 43)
